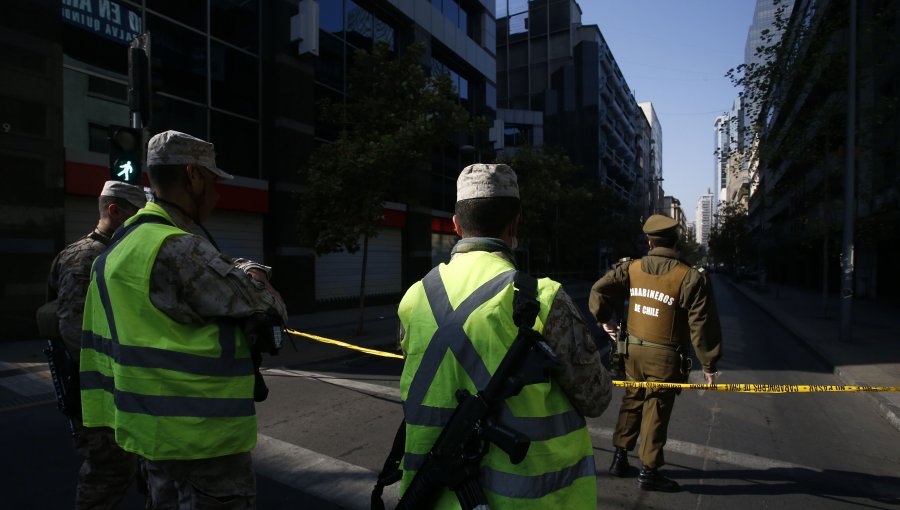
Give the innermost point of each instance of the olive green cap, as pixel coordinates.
(659, 225)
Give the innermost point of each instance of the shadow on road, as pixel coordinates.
(831, 484)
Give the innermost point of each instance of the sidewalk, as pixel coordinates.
(871, 359)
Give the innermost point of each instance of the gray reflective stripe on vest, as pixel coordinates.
(151, 357)
(520, 486)
(96, 381)
(100, 269)
(536, 486)
(450, 335)
(542, 428)
(171, 406)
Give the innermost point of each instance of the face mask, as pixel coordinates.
(515, 243)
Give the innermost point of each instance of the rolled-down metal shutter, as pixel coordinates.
(238, 234)
(337, 274)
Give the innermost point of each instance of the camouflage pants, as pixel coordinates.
(218, 483)
(107, 471)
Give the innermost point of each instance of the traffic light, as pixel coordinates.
(126, 149)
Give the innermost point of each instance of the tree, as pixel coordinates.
(728, 241)
(544, 177)
(392, 119)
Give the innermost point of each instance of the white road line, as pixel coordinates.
(377, 389)
(707, 453)
(324, 477)
(711, 453)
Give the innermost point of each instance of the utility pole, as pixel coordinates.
(849, 187)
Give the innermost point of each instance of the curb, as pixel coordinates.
(889, 410)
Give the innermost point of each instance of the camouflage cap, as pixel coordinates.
(659, 225)
(486, 180)
(176, 148)
(118, 189)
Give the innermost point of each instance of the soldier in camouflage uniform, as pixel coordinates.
(487, 216)
(107, 470)
(192, 283)
(670, 307)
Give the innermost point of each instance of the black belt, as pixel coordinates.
(645, 343)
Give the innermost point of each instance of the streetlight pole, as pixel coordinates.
(849, 188)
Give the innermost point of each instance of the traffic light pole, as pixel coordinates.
(139, 80)
(847, 256)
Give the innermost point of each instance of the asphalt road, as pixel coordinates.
(328, 425)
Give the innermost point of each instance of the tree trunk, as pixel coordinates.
(362, 285)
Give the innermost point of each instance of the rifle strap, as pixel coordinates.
(525, 303)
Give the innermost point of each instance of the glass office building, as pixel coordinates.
(230, 72)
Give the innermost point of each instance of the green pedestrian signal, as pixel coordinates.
(126, 149)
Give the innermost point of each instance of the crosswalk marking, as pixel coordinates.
(324, 477)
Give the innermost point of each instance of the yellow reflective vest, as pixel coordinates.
(458, 326)
(170, 391)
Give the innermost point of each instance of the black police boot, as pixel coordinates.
(619, 466)
(651, 480)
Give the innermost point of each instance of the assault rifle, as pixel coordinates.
(454, 461)
(66, 386)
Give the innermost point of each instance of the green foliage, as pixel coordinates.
(564, 215)
(690, 251)
(394, 116)
(728, 241)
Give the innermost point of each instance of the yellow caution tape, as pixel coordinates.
(739, 388)
(756, 388)
(345, 344)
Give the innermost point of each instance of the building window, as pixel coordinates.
(169, 113)
(360, 30)
(330, 64)
(98, 138)
(237, 144)
(331, 17)
(106, 89)
(178, 60)
(236, 22)
(384, 33)
(192, 13)
(234, 77)
(516, 136)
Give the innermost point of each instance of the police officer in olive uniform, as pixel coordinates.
(669, 306)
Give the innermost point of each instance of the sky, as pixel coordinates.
(675, 53)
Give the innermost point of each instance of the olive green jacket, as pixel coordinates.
(696, 298)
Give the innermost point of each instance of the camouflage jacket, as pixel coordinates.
(192, 282)
(70, 275)
(696, 298)
(581, 373)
